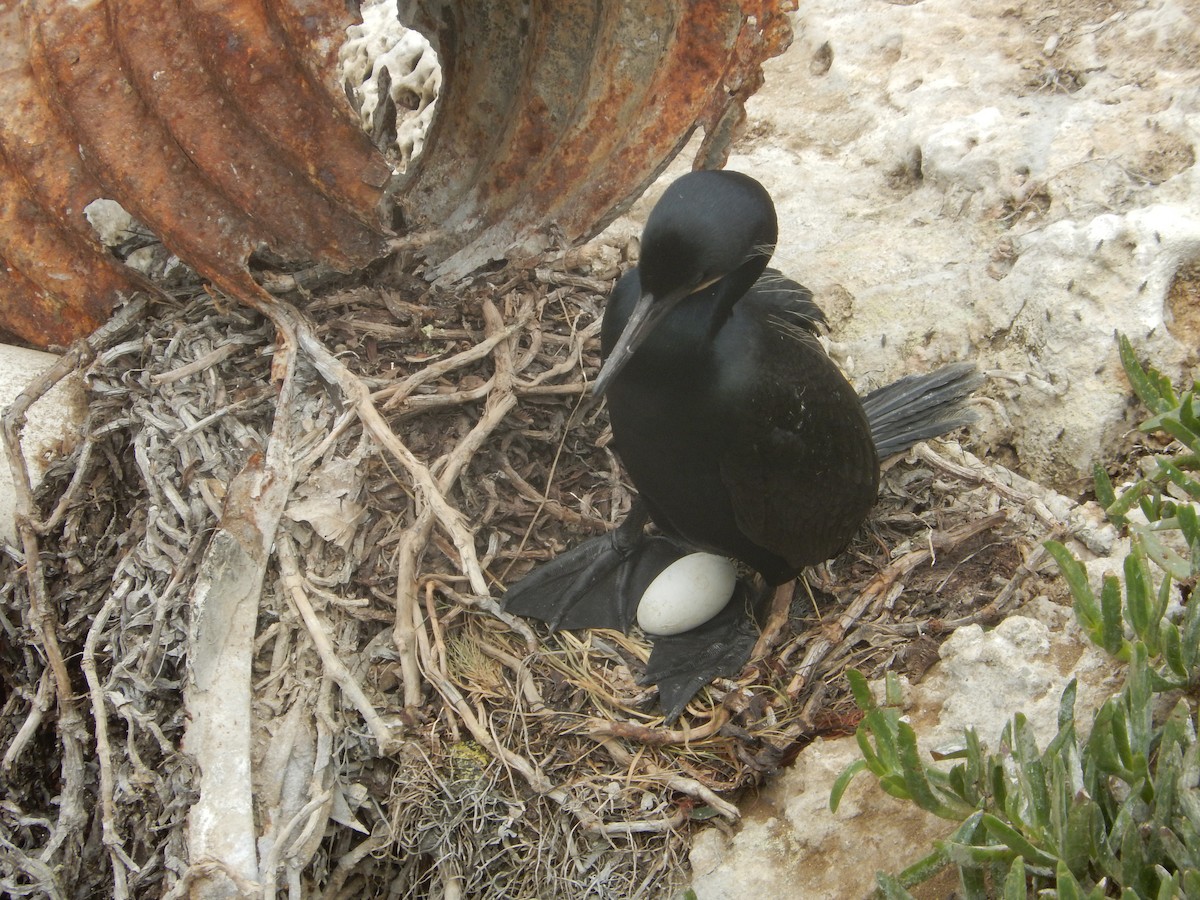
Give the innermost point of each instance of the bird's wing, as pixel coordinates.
(799, 462)
(787, 304)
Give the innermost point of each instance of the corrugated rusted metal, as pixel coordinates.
(221, 125)
(564, 112)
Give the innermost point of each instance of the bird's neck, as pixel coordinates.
(684, 340)
(682, 344)
(729, 290)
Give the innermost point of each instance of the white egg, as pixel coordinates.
(687, 593)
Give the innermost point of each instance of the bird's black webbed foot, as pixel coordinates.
(681, 664)
(597, 584)
(600, 583)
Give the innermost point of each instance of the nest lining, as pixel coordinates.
(409, 738)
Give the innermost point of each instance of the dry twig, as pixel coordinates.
(530, 762)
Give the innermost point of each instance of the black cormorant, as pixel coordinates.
(740, 434)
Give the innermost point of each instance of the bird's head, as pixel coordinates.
(708, 226)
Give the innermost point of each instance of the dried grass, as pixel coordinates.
(408, 739)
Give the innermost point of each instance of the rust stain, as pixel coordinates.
(572, 113)
(222, 126)
(296, 218)
(57, 261)
(127, 149)
(56, 281)
(241, 45)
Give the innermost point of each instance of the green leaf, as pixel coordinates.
(1066, 885)
(843, 782)
(862, 735)
(1151, 387)
(1066, 706)
(973, 882)
(879, 723)
(1179, 728)
(892, 692)
(1191, 884)
(1190, 634)
(1137, 702)
(1162, 555)
(1061, 777)
(958, 783)
(923, 869)
(1166, 792)
(1031, 771)
(1172, 651)
(973, 860)
(1189, 803)
(1191, 486)
(895, 786)
(1151, 505)
(861, 689)
(1173, 423)
(1137, 596)
(1180, 422)
(971, 829)
(882, 723)
(1168, 885)
(891, 888)
(1116, 512)
(1016, 841)
(1112, 629)
(1164, 599)
(1179, 854)
(998, 782)
(916, 779)
(1014, 882)
(1133, 861)
(1187, 415)
(1121, 740)
(973, 769)
(972, 856)
(1106, 496)
(1084, 828)
(956, 753)
(1076, 577)
(1103, 752)
(1160, 683)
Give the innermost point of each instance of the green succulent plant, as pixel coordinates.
(1115, 814)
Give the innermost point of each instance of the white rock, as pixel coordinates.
(943, 188)
(686, 594)
(110, 221)
(963, 151)
(790, 845)
(416, 75)
(52, 420)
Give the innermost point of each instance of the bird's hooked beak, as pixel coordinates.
(646, 314)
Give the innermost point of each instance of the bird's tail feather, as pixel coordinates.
(919, 407)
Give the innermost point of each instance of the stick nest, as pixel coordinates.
(409, 738)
